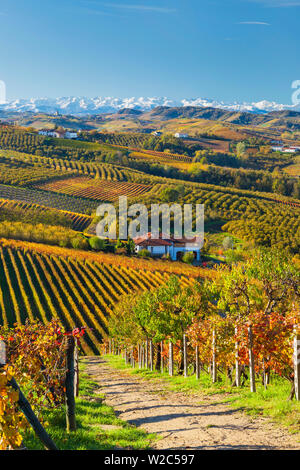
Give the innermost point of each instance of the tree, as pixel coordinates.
(240, 149)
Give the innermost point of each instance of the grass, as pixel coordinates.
(272, 403)
(94, 420)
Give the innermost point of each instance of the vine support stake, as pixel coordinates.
(162, 357)
(146, 353)
(251, 360)
(151, 355)
(171, 359)
(185, 359)
(76, 372)
(197, 363)
(214, 365)
(297, 363)
(69, 382)
(237, 363)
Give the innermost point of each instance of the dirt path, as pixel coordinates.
(184, 422)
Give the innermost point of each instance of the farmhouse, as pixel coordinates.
(179, 135)
(171, 246)
(59, 134)
(292, 149)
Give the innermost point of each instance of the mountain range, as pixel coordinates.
(100, 105)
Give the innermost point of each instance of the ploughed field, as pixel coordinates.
(99, 190)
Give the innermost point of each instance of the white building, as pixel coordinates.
(179, 135)
(71, 135)
(175, 248)
(286, 149)
(59, 134)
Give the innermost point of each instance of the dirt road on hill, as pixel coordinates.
(184, 421)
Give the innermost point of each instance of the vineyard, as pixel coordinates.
(52, 200)
(95, 189)
(40, 282)
(33, 211)
(23, 174)
(244, 324)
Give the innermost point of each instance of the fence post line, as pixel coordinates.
(251, 360)
(126, 357)
(214, 365)
(162, 357)
(69, 383)
(197, 363)
(171, 365)
(297, 363)
(109, 346)
(185, 358)
(237, 363)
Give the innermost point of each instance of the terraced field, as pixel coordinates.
(98, 190)
(41, 282)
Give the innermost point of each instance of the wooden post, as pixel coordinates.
(251, 360)
(162, 357)
(171, 359)
(237, 363)
(76, 374)
(151, 354)
(69, 384)
(185, 358)
(297, 364)
(133, 359)
(214, 365)
(126, 357)
(143, 356)
(197, 363)
(146, 353)
(2, 353)
(139, 356)
(109, 346)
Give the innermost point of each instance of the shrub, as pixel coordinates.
(188, 257)
(80, 243)
(144, 254)
(97, 244)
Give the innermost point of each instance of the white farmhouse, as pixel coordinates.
(71, 135)
(173, 247)
(59, 134)
(179, 135)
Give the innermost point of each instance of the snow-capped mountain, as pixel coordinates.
(98, 105)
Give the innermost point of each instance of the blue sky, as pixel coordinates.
(244, 50)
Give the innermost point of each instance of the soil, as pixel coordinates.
(185, 421)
